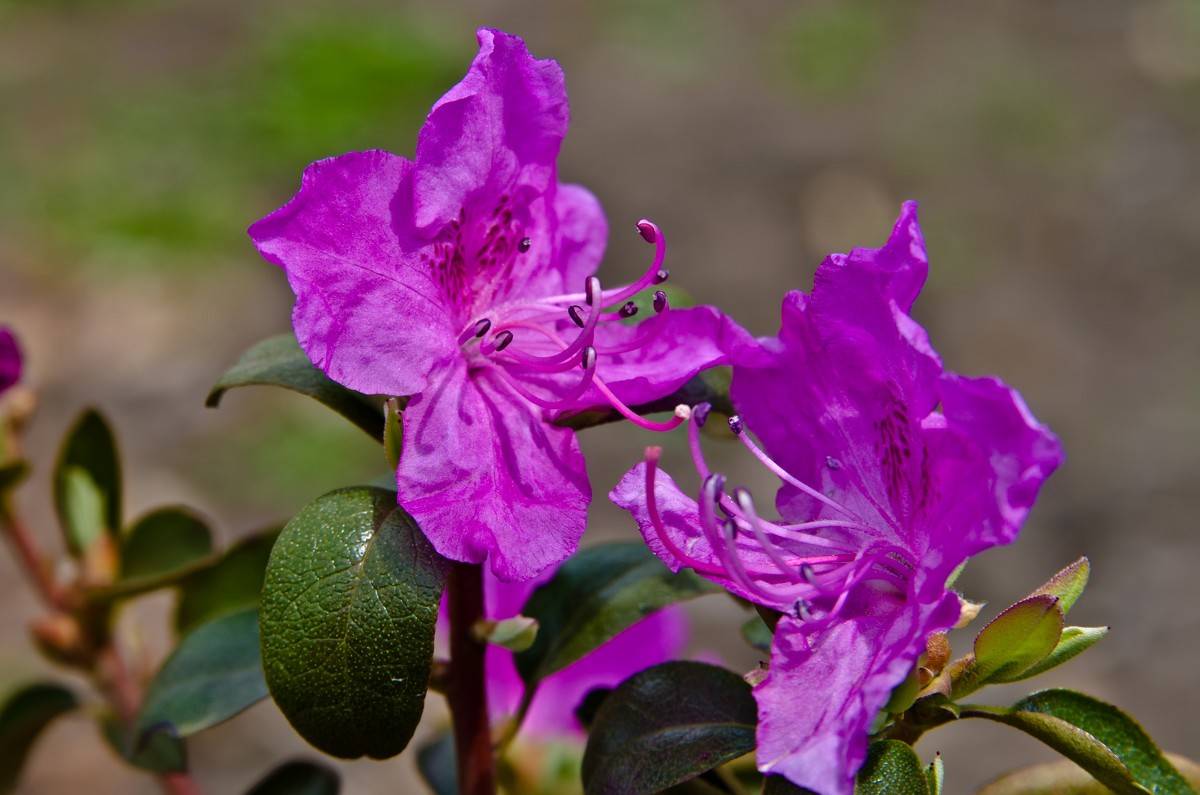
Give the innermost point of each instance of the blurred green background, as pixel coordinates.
(1055, 148)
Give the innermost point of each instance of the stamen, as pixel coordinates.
(575, 311)
(524, 245)
(652, 456)
(651, 234)
(660, 301)
(629, 309)
(736, 425)
(476, 329)
(700, 413)
(682, 413)
(746, 503)
(648, 231)
(661, 275)
(591, 288)
(502, 340)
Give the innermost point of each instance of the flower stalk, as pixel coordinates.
(467, 690)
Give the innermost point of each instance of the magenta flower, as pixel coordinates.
(10, 359)
(464, 279)
(894, 472)
(655, 639)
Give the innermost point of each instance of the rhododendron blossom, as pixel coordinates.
(464, 278)
(10, 359)
(894, 471)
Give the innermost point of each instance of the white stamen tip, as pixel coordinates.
(683, 412)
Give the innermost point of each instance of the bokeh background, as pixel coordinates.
(1055, 147)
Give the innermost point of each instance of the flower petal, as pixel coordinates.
(499, 128)
(582, 234)
(815, 706)
(486, 479)
(367, 312)
(10, 359)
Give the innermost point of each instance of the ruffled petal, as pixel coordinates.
(486, 479)
(10, 359)
(367, 311)
(500, 128)
(582, 235)
(817, 703)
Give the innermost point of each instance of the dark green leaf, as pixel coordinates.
(278, 361)
(348, 612)
(778, 785)
(594, 596)
(232, 582)
(438, 766)
(1067, 586)
(891, 768)
(162, 542)
(665, 725)
(213, 674)
(1097, 736)
(1064, 777)
(87, 482)
(25, 713)
(757, 634)
(1074, 641)
(586, 709)
(710, 386)
(157, 748)
(299, 778)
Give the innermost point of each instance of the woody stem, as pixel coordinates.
(31, 557)
(468, 687)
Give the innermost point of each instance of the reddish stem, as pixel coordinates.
(468, 686)
(31, 557)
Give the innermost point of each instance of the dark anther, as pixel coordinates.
(646, 230)
(700, 414)
(576, 313)
(661, 275)
(736, 425)
(588, 360)
(503, 340)
(660, 301)
(524, 245)
(629, 309)
(482, 327)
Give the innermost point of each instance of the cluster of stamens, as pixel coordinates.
(543, 323)
(808, 567)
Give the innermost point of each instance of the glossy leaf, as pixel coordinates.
(87, 482)
(299, 778)
(1067, 585)
(665, 725)
(25, 713)
(279, 361)
(348, 611)
(891, 768)
(1097, 736)
(437, 764)
(589, 705)
(1021, 636)
(594, 596)
(213, 674)
(1074, 641)
(164, 541)
(1064, 777)
(230, 583)
(156, 748)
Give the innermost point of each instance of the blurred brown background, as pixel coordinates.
(1055, 148)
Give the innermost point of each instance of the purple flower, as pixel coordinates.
(464, 279)
(894, 472)
(10, 359)
(655, 639)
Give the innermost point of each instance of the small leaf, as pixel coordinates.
(438, 766)
(24, 714)
(213, 674)
(515, 634)
(1067, 586)
(935, 775)
(756, 633)
(1097, 736)
(968, 612)
(1064, 777)
(348, 611)
(299, 778)
(1074, 641)
(230, 583)
(157, 748)
(707, 387)
(163, 542)
(593, 597)
(393, 433)
(665, 725)
(891, 768)
(278, 361)
(87, 482)
(1024, 634)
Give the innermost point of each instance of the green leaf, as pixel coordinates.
(935, 775)
(278, 361)
(213, 674)
(438, 766)
(299, 778)
(87, 483)
(163, 542)
(665, 725)
(778, 785)
(157, 748)
(230, 583)
(348, 612)
(710, 386)
(1064, 777)
(1074, 641)
(891, 768)
(23, 716)
(594, 596)
(1023, 635)
(515, 634)
(1097, 736)
(1067, 586)
(756, 633)
(393, 433)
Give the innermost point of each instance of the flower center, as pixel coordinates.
(540, 342)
